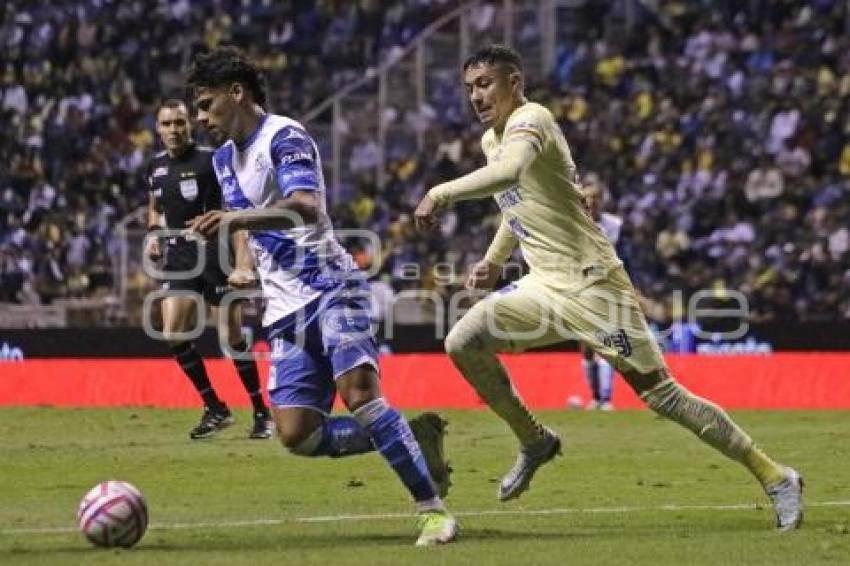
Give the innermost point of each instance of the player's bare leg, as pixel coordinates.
(472, 347)
(230, 333)
(392, 436)
(714, 427)
(374, 425)
(591, 374)
(177, 315)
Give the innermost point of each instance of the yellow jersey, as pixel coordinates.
(545, 211)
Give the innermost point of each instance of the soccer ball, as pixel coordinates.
(113, 513)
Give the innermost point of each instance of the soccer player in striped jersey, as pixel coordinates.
(317, 310)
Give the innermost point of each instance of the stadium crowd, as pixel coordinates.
(723, 138)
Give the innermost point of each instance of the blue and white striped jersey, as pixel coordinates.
(298, 265)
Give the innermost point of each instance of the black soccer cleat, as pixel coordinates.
(263, 426)
(212, 421)
(429, 429)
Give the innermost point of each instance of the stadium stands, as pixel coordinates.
(724, 138)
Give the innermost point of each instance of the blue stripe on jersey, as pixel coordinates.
(299, 320)
(310, 270)
(295, 161)
(234, 198)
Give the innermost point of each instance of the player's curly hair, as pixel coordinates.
(223, 66)
(495, 54)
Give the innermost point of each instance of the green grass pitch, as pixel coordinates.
(630, 489)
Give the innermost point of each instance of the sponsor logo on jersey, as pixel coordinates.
(509, 198)
(517, 228)
(296, 156)
(160, 171)
(189, 189)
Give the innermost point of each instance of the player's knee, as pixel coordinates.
(358, 386)
(299, 441)
(461, 339)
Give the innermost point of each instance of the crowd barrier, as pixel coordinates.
(546, 380)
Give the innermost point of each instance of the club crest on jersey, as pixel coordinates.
(189, 189)
(261, 163)
(617, 340)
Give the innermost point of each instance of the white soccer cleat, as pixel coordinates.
(436, 527)
(529, 460)
(787, 498)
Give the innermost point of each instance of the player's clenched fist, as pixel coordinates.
(152, 248)
(242, 279)
(483, 276)
(425, 215)
(207, 224)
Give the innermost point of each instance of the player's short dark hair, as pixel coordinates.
(224, 66)
(170, 103)
(495, 54)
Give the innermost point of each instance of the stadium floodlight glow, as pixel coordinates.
(181, 336)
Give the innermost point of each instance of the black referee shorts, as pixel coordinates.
(182, 255)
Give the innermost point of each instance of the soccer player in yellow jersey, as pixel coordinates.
(576, 286)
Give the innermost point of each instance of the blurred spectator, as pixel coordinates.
(721, 130)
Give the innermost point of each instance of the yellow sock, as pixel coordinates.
(766, 470)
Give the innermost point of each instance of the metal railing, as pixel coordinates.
(371, 110)
(388, 113)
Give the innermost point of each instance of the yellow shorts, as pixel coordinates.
(604, 314)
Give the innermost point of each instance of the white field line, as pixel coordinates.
(388, 516)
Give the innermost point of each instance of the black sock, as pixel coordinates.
(193, 366)
(247, 370)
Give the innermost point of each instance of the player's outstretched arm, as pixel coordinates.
(496, 176)
(485, 274)
(502, 246)
(298, 209)
(243, 276)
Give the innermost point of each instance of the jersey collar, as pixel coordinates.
(246, 143)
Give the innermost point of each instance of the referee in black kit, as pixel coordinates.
(183, 185)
